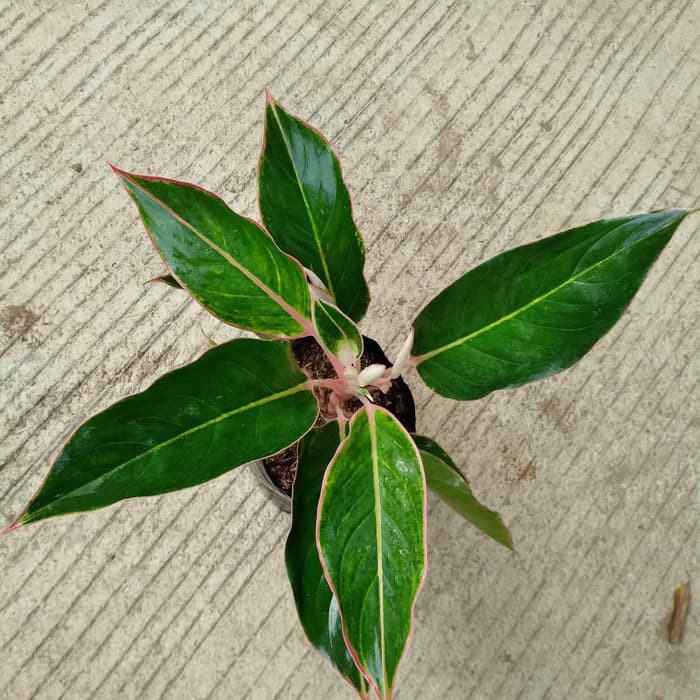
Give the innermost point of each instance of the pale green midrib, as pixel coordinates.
(312, 221)
(176, 438)
(534, 302)
(295, 314)
(379, 535)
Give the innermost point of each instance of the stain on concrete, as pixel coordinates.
(553, 410)
(17, 321)
(448, 143)
(471, 53)
(519, 467)
(527, 472)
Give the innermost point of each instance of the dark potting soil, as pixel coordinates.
(282, 467)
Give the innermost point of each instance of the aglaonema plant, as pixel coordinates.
(355, 553)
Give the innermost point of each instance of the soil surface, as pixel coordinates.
(282, 467)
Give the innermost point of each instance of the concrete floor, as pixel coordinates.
(464, 128)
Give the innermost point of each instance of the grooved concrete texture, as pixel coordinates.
(465, 129)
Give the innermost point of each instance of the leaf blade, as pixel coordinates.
(371, 540)
(149, 443)
(306, 207)
(225, 261)
(535, 310)
(445, 479)
(336, 331)
(315, 603)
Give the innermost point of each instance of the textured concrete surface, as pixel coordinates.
(465, 128)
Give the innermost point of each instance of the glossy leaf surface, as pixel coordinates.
(447, 481)
(191, 425)
(337, 331)
(227, 262)
(371, 538)
(306, 207)
(535, 310)
(316, 605)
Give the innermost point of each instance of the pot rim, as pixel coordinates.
(275, 494)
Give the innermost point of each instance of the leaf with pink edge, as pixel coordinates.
(225, 261)
(371, 540)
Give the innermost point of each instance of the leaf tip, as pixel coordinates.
(682, 214)
(403, 358)
(671, 216)
(122, 175)
(269, 99)
(116, 170)
(11, 528)
(507, 540)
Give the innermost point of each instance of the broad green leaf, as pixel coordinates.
(227, 262)
(306, 207)
(191, 425)
(316, 605)
(447, 481)
(535, 310)
(338, 334)
(371, 538)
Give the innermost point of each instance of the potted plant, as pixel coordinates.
(319, 405)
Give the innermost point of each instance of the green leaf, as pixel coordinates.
(447, 481)
(306, 207)
(371, 538)
(337, 332)
(535, 310)
(227, 262)
(191, 425)
(316, 605)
